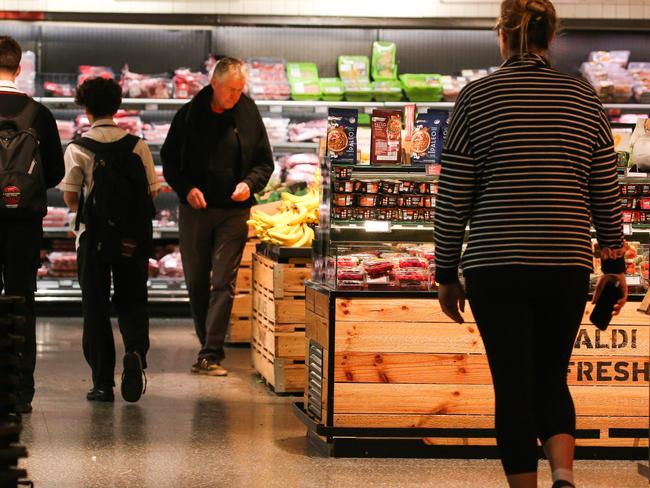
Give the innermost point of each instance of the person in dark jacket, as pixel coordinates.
(20, 238)
(216, 157)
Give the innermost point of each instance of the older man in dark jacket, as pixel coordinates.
(216, 157)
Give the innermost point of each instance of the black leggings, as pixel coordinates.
(528, 319)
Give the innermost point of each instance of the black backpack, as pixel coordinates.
(22, 182)
(118, 210)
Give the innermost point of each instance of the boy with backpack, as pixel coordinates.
(31, 161)
(111, 182)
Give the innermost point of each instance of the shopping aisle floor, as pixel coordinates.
(195, 431)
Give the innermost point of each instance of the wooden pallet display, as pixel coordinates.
(401, 363)
(278, 329)
(239, 331)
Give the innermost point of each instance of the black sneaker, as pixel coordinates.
(134, 381)
(100, 394)
(209, 367)
(563, 484)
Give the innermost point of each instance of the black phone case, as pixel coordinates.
(601, 315)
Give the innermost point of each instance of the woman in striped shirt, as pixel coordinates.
(529, 164)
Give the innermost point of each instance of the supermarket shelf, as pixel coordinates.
(279, 105)
(294, 146)
(161, 290)
(389, 233)
(67, 232)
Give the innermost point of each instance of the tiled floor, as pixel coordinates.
(191, 431)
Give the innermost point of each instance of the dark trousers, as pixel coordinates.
(129, 299)
(528, 319)
(20, 245)
(212, 243)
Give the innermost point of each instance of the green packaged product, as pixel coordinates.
(354, 68)
(387, 91)
(422, 87)
(305, 90)
(384, 64)
(332, 89)
(302, 72)
(359, 91)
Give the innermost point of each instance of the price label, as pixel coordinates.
(368, 110)
(66, 283)
(320, 110)
(627, 229)
(157, 234)
(634, 280)
(378, 226)
(634, 174)
(151, 106)
(159, 286)
(275, 109)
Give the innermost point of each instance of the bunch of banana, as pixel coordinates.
(289, 225)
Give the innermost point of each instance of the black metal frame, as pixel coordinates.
(328, 21)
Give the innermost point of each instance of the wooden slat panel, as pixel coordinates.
(290, 345)
(473, 422)
(310, 296)
(427, 337)
(472, 399)
(316, 328)
(239, 332)
(244, 282)
(242, 305)
(428, 310)
(424, 337)
(472, 369)
(290, 311)
(385, 310)
(284, 375)
(249, 250)
(322, 305)
(617, 340)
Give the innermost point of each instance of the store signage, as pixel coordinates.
(377, 226)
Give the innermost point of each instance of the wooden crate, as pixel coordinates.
(400, 363)
(278, 323)
(281, 280)
(239, 331)
(284, 375)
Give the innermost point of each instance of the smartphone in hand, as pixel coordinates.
(601, 315)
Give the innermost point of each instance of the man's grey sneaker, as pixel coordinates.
(134, 381)
(209, 367)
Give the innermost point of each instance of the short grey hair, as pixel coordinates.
(230, 66)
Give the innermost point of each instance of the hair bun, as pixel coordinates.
(536, 6)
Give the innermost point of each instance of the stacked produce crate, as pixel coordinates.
(239, 331)
(10, 423)
(278, 344)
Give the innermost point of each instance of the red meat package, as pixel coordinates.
(86, 72)
(136, 85)
(66, 129)
(187, 83)
(386, 137)
(171, 265)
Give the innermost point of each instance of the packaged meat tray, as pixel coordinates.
(387, 91)
(422, 87)
(302, 72)
(187, 83)
(347, 261)
(86, 71)
(413, 279)
(66, 129)
(366, 186)
(269, 90)
(412, 262)
(266, 69)
(350, 274)
(375, 267)
(365, 213)
(305, 90)
(358, 91)
(354, 68)
(62, 261)
(136, 85)
(311, 130)
(332, 89)
(384, 63)
(171, 265)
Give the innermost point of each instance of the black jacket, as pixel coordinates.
(184, 153)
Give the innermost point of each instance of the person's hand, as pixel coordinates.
(196, 199)
(606, 278)
(242, 192)
(452, 298)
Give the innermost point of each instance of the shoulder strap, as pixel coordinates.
(124, 145)
(25, 118)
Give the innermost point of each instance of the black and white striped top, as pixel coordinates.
(529, 163)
